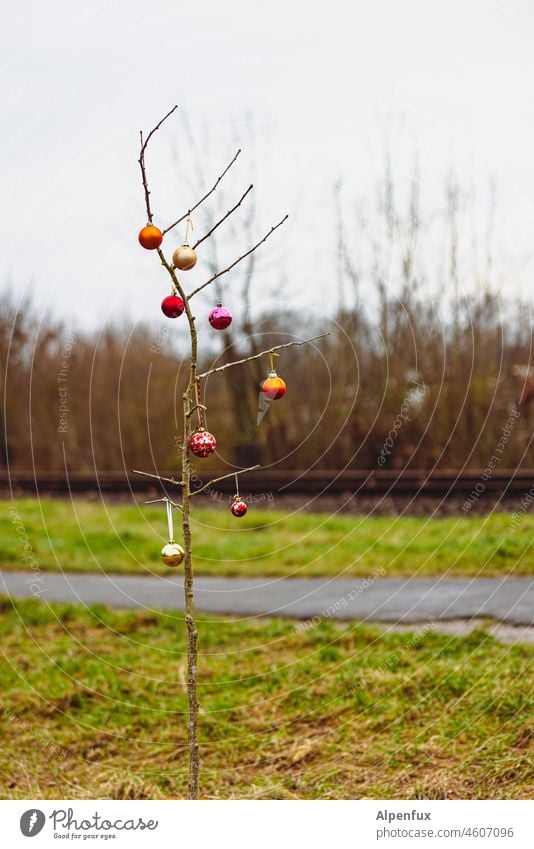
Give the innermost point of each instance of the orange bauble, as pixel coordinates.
(274, 387)
(150, 237)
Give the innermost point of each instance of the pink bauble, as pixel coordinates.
(172, 306)
(238, 507)
(202, 443)
(220, 318)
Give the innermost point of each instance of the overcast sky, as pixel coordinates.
(326, 85)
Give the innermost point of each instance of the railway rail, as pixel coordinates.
(363, 483)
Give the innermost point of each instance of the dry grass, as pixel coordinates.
(93, 702)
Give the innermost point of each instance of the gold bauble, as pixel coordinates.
(172, 554)
(184, 258)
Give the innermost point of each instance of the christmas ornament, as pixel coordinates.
(172, 554)
(220, 318)
(184, 258)
(172, 306)
(238, 506)
(202, 443)
(150, 237)
(273, 387)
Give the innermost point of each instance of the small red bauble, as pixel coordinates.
(172, 306)
(238, 507)
(274, 387)
(220, 318)
(150, 237)
(202, 443)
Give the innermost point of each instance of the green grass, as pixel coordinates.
(89, 536)
(92, 705)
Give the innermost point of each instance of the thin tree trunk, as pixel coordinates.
(192, 633)
(190, 405)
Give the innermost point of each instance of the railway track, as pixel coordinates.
(362, 483)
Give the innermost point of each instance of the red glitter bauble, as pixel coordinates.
(220, 318)
(150, 237)
(202, 443)
(274, 387)
(172, 306)
(238, 507)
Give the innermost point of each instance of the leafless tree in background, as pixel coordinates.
(418, 303)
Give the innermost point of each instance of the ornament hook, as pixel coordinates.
(272, 355)
(200, 407)
(188, 224)
(169, 520)
(169, 505)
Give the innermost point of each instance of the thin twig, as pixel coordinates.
(158, 477)
(206, 196)
(225, 270)
(141, 161)
(194, 408)
(261, 354)
(230, 211)
(223, 477)
(166, 500)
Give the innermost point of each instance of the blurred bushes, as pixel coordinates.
(413, 372)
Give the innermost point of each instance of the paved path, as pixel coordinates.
(397, 600)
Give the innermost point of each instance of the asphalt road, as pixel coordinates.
(394, 600)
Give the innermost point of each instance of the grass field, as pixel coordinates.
(91, 536)
(92, 706)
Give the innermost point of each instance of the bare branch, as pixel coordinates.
(158, 477)
(223, 477)
(194, 408)
(166, 500)
(261, 354)
(225, 270)
(141, 161)
(206, 196)
(175, 283)
(238, 204)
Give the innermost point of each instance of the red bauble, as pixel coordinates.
(274, 387)
(220, 318)
(172, 306)
(238, 507)
(150, 237)
(202, 443)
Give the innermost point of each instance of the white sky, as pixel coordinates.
(325, 84)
